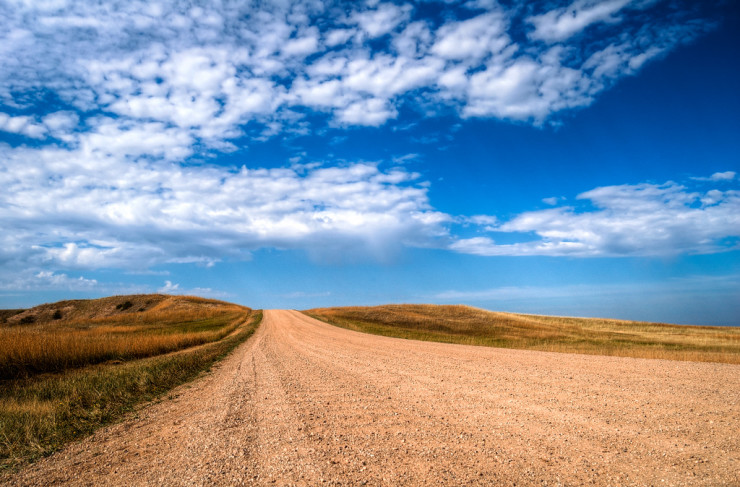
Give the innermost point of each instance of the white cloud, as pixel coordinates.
(562, 23)
(514, 293)
(338, 36)
(61, 123)
(723, 176)
(168, 287)
(506, 92)
(642, 219)
(112, 138)
(406, 158)
(472, 39)
(136, 60)
(718, 176)
(26, 280)
(81, 209)
(370, 111)
(414, 41)
(304, 45)
(65, 282)
(483, 220)
(386, 77)
(382, 20)
(320, 94)
(174, 288)
(105, 182)
(22, 125)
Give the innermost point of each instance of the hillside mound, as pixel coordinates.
(95, 309)
(596, 336)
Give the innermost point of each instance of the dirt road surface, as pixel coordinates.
(305, 403)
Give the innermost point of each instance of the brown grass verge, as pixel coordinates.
(473, 326)
(41, 413)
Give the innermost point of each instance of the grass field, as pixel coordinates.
(472, 326)
(67, 368)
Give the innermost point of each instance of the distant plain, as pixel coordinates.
(594, 336)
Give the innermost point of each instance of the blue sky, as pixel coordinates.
(573, 158)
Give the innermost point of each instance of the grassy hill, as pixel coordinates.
(67, 368)
(473, 326)
(70, 334)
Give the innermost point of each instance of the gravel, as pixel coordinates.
(306, 403)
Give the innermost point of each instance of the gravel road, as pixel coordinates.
(306, 403)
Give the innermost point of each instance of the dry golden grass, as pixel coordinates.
(473, 326)
(60, 378)
(97, 331)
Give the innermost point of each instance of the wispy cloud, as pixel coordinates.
(174, 288)
(718, 176)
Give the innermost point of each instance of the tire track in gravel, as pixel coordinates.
(306, 403)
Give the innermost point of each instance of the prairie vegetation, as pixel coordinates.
(472, 326)
(67, 368)
(71, 334)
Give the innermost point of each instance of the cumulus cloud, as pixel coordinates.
(472, 39)
(22, 125)
(77, 208)
(168, 288)
(63, 281)
(338, 36)
(561, 23)
(259, 63)
(111, 102)
(381, 20)
(368, 111)
(303, 45)
(642, 219)
(61, 123)
(46, 280)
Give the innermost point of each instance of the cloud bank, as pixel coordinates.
(627, 220)
(269, 62)
(108, 110)
(86, 213)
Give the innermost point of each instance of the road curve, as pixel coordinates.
(306, 403)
